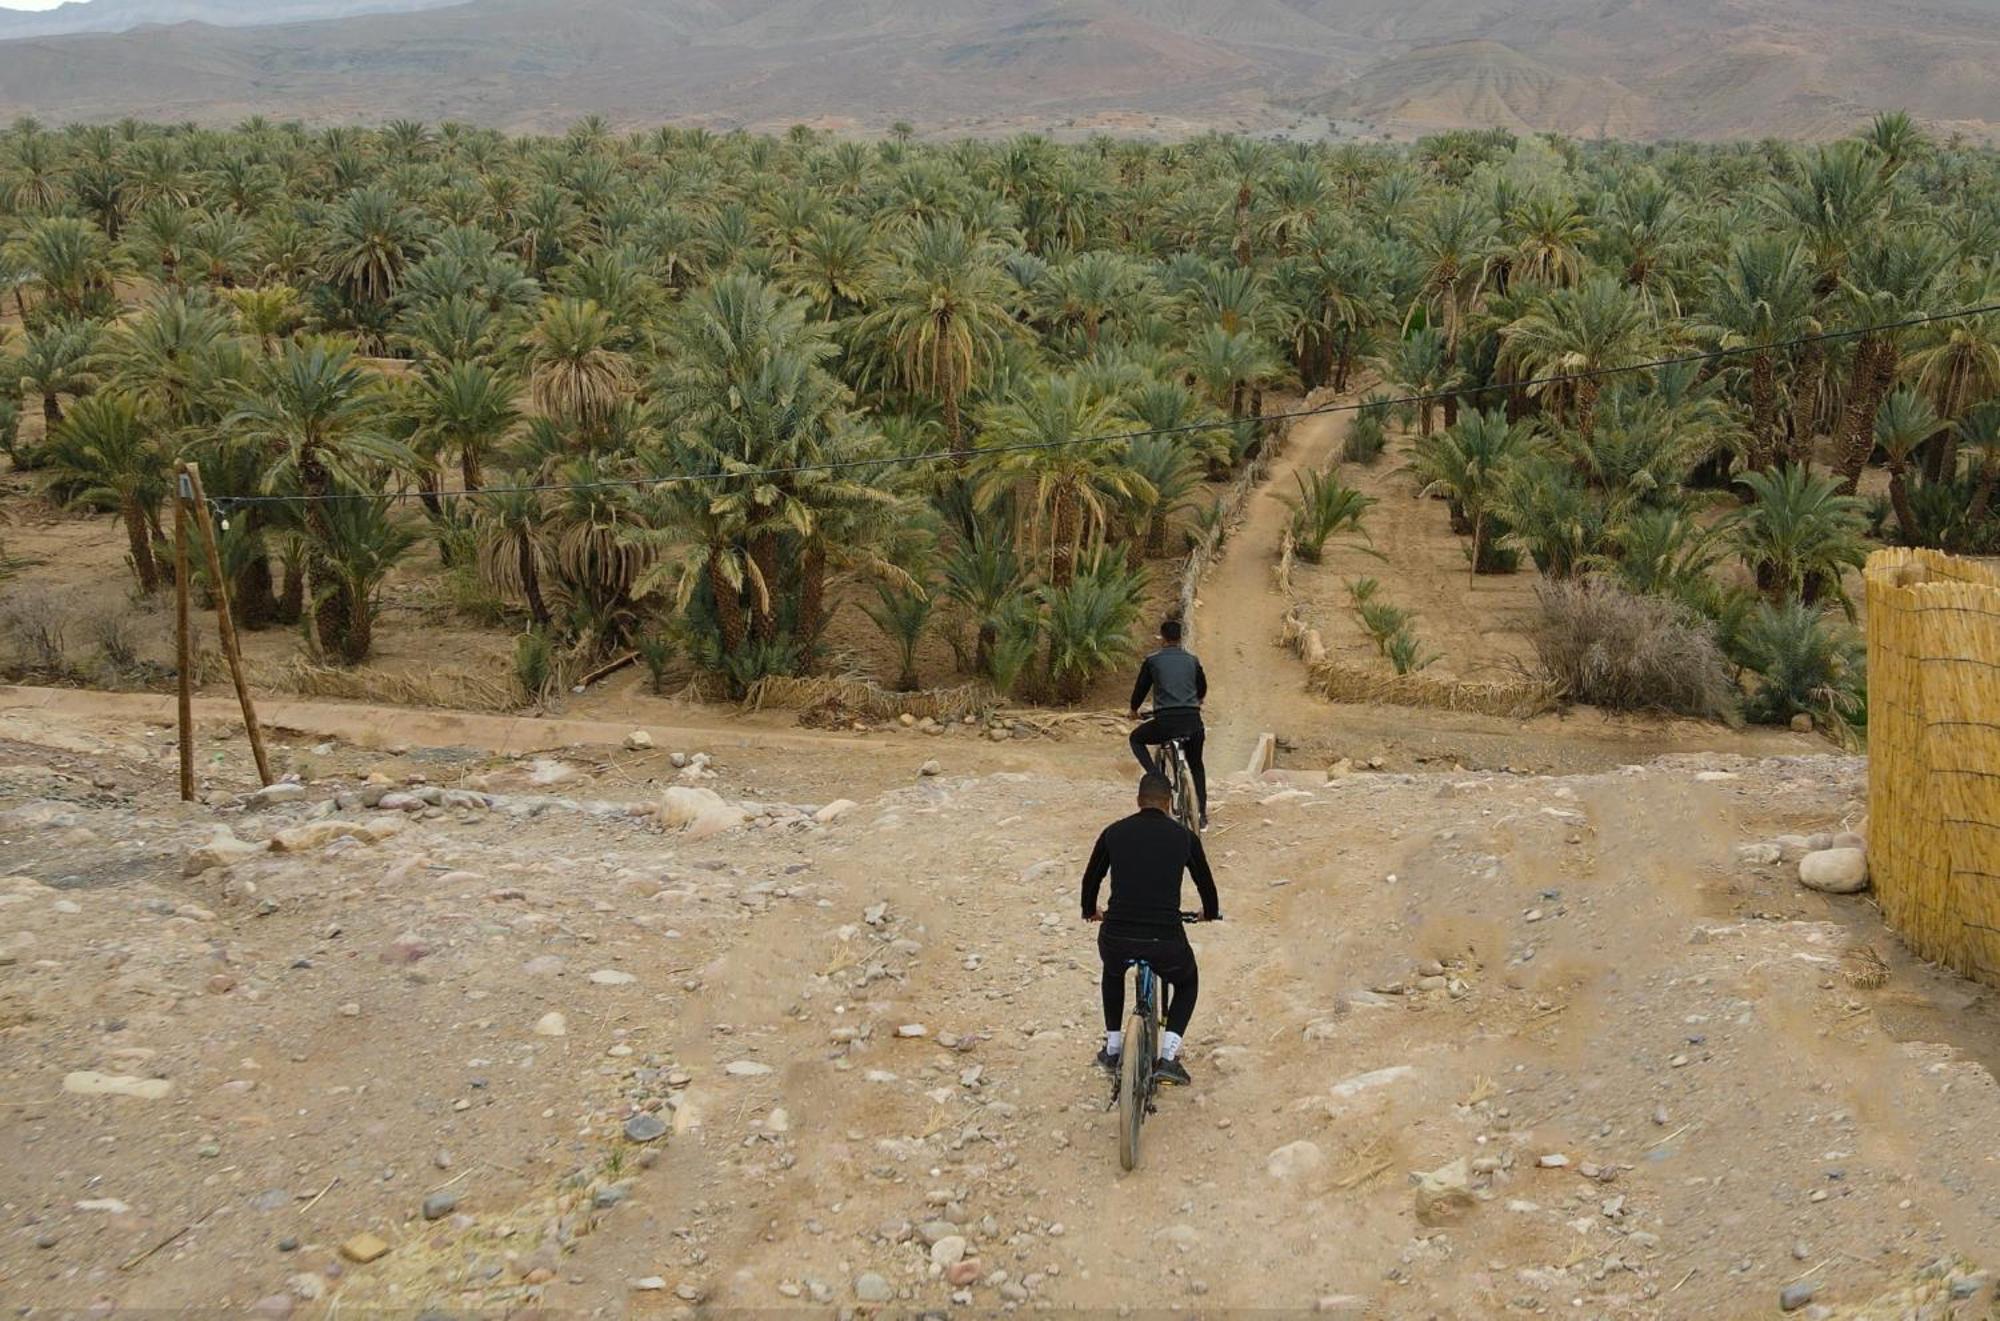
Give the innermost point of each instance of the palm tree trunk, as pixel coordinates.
(292, 597)
(468, 467)
(428, 485)
(141, 539)
(1899, 496)
(812, 594)
(1763, 412)
(1062, 538)
(52, 414)
(1586, 407)
(256, 603)
(1982, 498)
(1805, 403)
(728, 604)
(1156, 534)
(764, 607)
(531, 580)
(1874, 369)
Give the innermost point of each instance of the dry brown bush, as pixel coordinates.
(1607, 647)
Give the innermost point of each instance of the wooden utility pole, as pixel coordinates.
(225, 624)
(183, 643)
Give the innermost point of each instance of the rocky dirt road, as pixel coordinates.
(1470, 1044)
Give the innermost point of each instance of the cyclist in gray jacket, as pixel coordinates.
(1174, 677)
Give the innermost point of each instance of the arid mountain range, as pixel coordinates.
(1625, 68)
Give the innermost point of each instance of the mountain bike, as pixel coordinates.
(1136, 1084)
(1180, 783)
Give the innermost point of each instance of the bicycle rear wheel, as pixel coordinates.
(1190, 803)
(1134, 1077)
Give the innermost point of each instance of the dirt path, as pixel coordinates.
(1254, 682)
(861, 1037)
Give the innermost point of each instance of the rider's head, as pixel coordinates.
(1154, 791)
(1170, 631)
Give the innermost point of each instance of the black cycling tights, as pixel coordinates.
(1172, 962)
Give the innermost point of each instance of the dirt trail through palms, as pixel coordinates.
(1253, 681)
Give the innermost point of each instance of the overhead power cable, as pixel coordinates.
(223, 504)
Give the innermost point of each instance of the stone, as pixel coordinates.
(1834, 871)
(611, 977)
(645, 1127)
(1295, 1160)
(316, 835)
(745, 1069)
(913, 1030)
(638, 741)
(1796, 1295)
(697, 813)
(543, 965)
(649, 1283)
(930, 1231)
(1802, 723)
(552, 1024)
(1553, 1161)
(282, 792)
(948, 1251)
(872, 1288)
(1758, 855)
(364, 1248)
(835, 810)
(1366, 1082)
(930, 768)
(439, 1205)
(222, 850)
(1848, 839)
(1442, 1193)
(86, 1082)
(966, 1272)
(276, 1306)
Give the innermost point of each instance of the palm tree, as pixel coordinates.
(71, 266)
(104, 453)
(512, 525)
(1325, 508)
(1581, 333)
(942, 313)
(1457, 243)
(316, 417)
(59, 358)
(983, 578)
(467, 407)
(574, 373)
(1904, 422)
(1760, 296)
(1549, 236)
(1170, 469)
(372, 240)
(1089, 623)
(1834, 200)
(1896, 138)
(1888, 283)
(364, 544)
(1958, 366)
(1422, 366)
(1981, 429)
(269, 312)
(902, 612)
(1053, 439)
(1800, 534)
(1468, 463)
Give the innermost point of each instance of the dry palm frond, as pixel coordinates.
(1864, 968)
(869, 699)
(1516, 698)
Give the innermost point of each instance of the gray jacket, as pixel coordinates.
(1174, 677)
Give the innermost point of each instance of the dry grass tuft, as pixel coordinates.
(447, 690)
(1603, 645)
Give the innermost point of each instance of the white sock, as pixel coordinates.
(1170, 1045)
(1113, 1042)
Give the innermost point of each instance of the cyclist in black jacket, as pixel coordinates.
(1145, 855)
(1174, 677)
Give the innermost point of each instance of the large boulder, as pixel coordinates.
(1835, 871)
(1444, 1192)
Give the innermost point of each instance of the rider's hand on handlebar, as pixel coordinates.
(1093, 916)
(1135, 713)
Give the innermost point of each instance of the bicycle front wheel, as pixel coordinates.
(1134, 1078)
(1190, 804)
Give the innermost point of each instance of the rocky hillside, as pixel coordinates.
(1706, 68)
